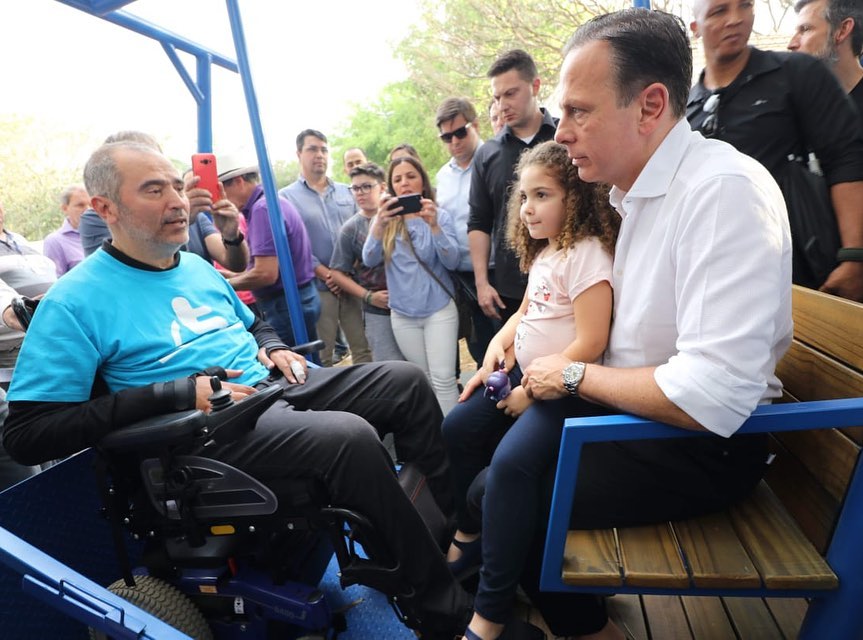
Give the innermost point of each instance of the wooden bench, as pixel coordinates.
(800, 535)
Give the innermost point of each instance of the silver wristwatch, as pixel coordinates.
(572, 376)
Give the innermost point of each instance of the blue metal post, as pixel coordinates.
(286, 266)
(205, 105)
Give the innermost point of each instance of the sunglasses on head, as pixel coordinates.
(459, 133)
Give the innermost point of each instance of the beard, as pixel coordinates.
(829, 54)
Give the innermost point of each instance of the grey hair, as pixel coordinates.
(101, 175)
(68, 192)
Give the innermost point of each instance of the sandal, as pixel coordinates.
(514, 630)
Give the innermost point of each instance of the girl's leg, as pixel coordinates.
(441, 335)
(511, 508)
(410, 337)
(471, 432)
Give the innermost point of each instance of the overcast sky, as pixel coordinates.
(309, 61)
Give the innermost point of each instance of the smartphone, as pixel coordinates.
(410, 204)
(204, 165)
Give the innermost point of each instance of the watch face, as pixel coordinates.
(572, 376)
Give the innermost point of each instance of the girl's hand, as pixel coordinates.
(516, 403)
(429, 214)
(478, 380)
(380, 299)
(494, 355)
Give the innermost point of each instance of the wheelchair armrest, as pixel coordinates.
(156, 432)
(308, 347)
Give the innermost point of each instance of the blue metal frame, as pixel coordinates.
(832, 614)
(201, 91)
(79, 597)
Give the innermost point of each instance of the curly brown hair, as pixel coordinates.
(588, 212)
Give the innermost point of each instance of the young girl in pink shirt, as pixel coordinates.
(563, 231)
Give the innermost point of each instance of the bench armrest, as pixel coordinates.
(795, 416)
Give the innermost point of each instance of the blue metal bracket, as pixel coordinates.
(201, 91)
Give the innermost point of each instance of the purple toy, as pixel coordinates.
(497, 386)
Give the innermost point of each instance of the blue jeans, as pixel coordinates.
(276, 313)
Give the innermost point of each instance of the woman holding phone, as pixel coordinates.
(417, 243)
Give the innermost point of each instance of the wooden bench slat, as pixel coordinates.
(782, 554)
(751, 618)
(829, 324)
(625, 609)
(828, 455)
(809, 503)
(788, 613)
(809, 375)
(650, 557)
(707, 618)
(590, 557)
(666, 617)
(714, 554)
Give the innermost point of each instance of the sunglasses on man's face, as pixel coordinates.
(460, 133)
(711, 123)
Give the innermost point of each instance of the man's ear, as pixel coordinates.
(693, 27)
(844, 31)
(105, 208)
(535, 86)
(654, 103)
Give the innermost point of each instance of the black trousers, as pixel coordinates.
(330, 428)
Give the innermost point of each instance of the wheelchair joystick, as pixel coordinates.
(220, 399)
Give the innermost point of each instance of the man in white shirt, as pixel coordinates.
(702, 300)
(458, 128)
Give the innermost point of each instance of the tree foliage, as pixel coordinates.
(35, 165)
(402, 113)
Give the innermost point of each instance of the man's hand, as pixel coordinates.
(489, 300)
(203, 390)
(11, 320)
(543, 379)
(846, 281)
(516, 403)
(282, 359)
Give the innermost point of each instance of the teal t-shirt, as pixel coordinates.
(133, 327)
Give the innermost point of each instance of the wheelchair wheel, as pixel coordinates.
(164, 601)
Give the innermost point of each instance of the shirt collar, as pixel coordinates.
(257, 192)
(115, 253)
(759, 63)
(67, 227)
(547, 122)
(330, 184)
(656, 176)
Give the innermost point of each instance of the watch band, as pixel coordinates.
(850, 254)
(236, 242)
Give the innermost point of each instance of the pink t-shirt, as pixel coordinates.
(556, 279)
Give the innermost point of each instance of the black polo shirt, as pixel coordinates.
(493, 174)
(783, 104)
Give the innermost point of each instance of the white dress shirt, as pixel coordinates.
(453, 189)
(702, 279)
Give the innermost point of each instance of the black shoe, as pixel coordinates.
(469, 561)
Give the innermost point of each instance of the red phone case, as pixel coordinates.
(204, 165)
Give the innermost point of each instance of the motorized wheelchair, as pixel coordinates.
(223, 556)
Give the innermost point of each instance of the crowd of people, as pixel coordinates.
(634, 255)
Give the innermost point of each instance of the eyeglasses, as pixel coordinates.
(711, 123)
(366, 187)
(460, 133)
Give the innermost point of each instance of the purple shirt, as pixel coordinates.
(64, 247)
(261, 242)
